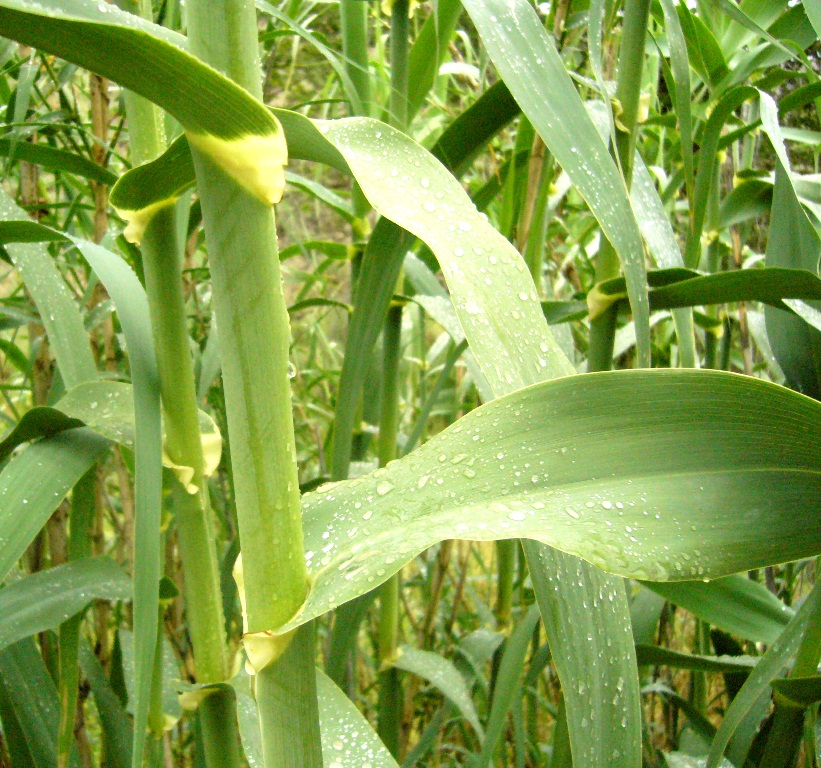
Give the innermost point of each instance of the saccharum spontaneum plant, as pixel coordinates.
(190, 576)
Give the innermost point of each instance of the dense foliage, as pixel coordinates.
(486, 331)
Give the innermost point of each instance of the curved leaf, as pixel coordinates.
(442, 675)
(654, 475)
(34, 424)
(798, 691)
(28, 494)
(47, 598)
(735, 604)
(57, 160)
(657, 656)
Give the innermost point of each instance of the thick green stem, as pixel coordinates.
(389, 415)
(254, 339)
(533, 236)
(156, 717)
(700, 682)
(354, 27)
(389, 711)
(400, 29)
(603, 327)
(79, 546)
(714, 341)
(389, 707)
(254, 342)
(218, 717)
(286, 700)
(506, 553)
(628, 86)
(162, 263)
(202, 587)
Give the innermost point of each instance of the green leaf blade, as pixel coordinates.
(644, 456)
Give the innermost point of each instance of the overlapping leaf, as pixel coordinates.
(654, 475)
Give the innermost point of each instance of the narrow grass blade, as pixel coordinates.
(428, 51)
(671, 288)
(225, 121)
(657, 656)
(735, 604)
(116, 725)
(332, 58)
(600, 687)
(13, 733)
(442, 675)
(59, 314)
(768, 668)
(595, 23)
(28, 494)
(508, 683)
(661, 242)
(132, 308)
(45, 599)
(527, 61)
(57, 160)
(793, 242)
(680, 66)
(464, 138)
(33, 698)
(722, 110)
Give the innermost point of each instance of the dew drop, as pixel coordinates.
(384, 488)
